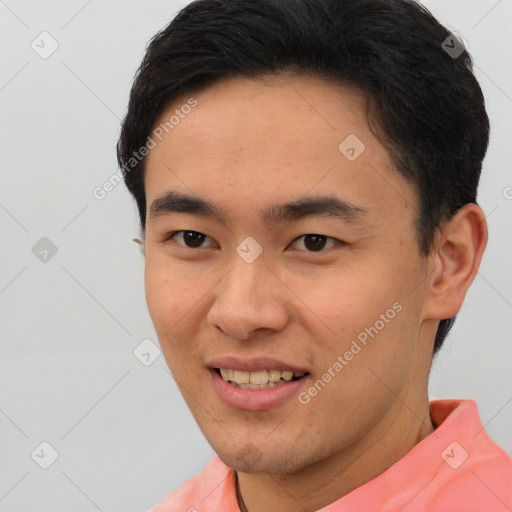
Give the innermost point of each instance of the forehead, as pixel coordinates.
(254, 142)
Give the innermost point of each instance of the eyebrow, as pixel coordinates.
(311, 206)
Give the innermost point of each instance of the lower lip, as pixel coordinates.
(255, 399)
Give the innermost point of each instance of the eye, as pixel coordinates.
(192, 239)
(315, 243)
(312, 242)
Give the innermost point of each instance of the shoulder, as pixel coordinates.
(476, 473)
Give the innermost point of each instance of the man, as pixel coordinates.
(306, 176)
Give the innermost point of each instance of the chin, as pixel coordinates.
(249, 459)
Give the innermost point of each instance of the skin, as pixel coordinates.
(279, 136)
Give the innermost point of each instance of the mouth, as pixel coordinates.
(258, 390)
(257, 383)
(261, 379)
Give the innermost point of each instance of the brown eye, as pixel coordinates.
(316, 243)
(191, 239)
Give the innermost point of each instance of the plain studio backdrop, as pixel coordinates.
(84, 392)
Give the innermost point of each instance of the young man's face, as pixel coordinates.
(347, 307)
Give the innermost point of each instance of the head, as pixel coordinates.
(306, 175)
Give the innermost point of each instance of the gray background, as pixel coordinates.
(70, 323)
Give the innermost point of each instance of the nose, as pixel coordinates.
(250, 298)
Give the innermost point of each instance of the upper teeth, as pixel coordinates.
(260, 377)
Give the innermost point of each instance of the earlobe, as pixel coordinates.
(457, 255)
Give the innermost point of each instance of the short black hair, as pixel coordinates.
(423, 101)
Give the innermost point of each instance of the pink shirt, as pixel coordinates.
(457, 468)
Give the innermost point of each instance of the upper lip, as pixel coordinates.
(254, 364)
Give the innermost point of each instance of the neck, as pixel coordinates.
(324, 482)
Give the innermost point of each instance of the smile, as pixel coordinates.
(262, 379)
(238, 388)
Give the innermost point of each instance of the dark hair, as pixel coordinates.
(427, 106)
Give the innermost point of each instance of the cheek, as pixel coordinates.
(165, 310)
(176, 298)
(169, 296)
(367, 305)
(160, 293)
(342, 303)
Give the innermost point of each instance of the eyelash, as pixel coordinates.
(171, 235)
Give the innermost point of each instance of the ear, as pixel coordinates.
(142, 246)
(454, 262)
